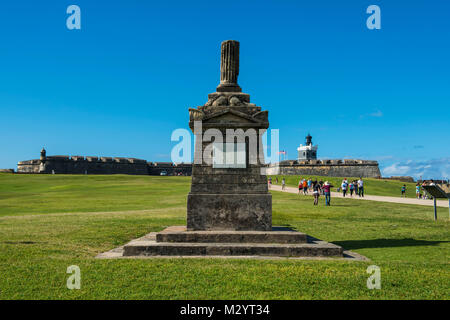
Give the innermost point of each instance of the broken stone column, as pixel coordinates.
(229, 67)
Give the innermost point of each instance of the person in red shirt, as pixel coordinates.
(327, 193)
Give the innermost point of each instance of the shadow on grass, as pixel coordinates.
(284, 227)
(385, 243)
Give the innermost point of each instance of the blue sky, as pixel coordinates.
(124, 82)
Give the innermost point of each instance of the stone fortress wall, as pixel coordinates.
(311, 166)
(101, 165)
(307, 164)
(108, 165)
(330, 168)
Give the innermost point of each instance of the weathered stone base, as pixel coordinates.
(232, 237)
(232, 249)
(229, 211)
(282, 242)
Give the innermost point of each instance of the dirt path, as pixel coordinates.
(440, 203)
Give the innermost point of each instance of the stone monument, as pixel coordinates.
(229, 195)
(229, 208)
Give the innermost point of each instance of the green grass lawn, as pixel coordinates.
(49, 222)
(372, 186)
(36, 194)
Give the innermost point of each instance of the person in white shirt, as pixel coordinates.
(361, 187)
(344, 188)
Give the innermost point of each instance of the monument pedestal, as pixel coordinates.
(281, 242)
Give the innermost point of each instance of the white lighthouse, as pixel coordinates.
(307, 151)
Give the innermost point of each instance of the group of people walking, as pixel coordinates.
(355, 186)
(318, 188)
(420, 188)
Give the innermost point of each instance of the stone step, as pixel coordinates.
(152, 248)
(233, 237)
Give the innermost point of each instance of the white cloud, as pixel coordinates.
(376, 114)
(428, 169)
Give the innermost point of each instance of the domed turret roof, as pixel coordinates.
(308, 140)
